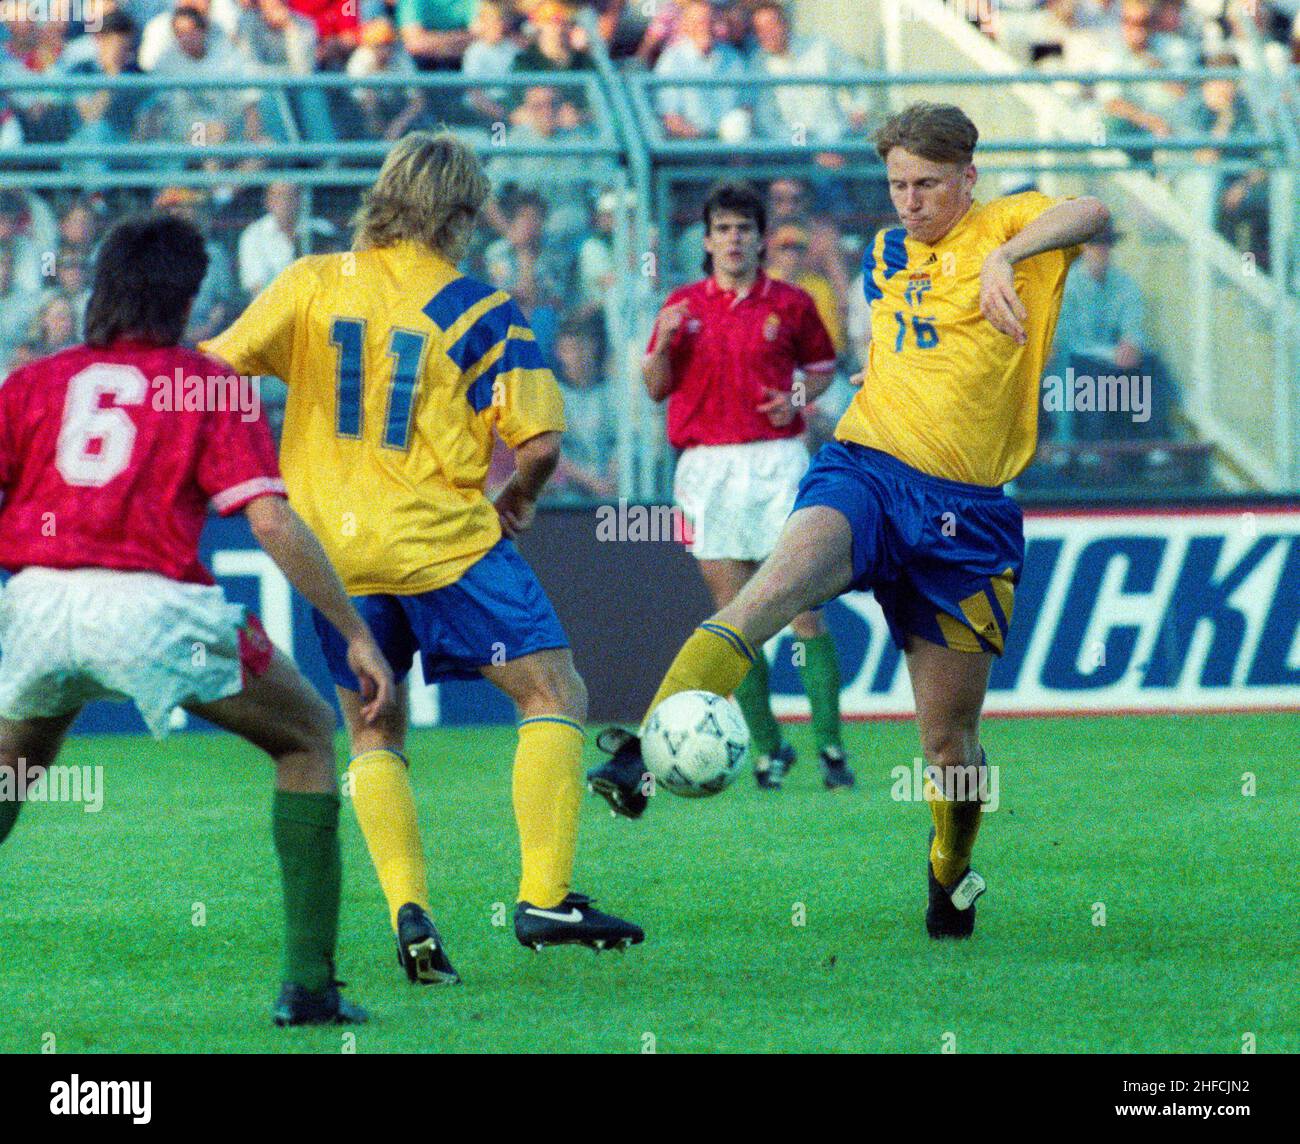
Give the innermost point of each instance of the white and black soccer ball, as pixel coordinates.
(694, 743)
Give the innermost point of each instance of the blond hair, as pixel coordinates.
(430, 190)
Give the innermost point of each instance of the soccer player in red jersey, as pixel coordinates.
(725, 353)
(110, 454)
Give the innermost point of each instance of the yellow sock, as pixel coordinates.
(956, 823)
(547, 792)
(716, 658)
(385, 805)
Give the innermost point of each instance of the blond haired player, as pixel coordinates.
(400, 371)
(908, 500)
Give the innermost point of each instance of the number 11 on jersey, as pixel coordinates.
(406, 349)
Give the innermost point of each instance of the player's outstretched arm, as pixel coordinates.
(535, 461)
(1063, 226)
(298, 554)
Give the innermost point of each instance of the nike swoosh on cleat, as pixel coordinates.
(572, 917)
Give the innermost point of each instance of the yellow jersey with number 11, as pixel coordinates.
(399, 369)
(944, 391)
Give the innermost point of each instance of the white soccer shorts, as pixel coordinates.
(71, 636)
(736, 497)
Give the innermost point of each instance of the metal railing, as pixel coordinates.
(1225, 326)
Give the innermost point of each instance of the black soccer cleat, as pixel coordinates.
(573, 922)
(420, 951)
(299, 1006)
(951, 913)
(770, 770)
(836, 772)
(621, 780)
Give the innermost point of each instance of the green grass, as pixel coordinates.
(98, 945)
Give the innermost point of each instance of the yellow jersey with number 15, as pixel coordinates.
(944, 391)
(399, 369)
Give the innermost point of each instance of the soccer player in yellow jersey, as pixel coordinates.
(908, 500)
(400, 370)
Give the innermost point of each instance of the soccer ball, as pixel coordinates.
(694, 743)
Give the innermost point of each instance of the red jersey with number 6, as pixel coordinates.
(728, 349)
(110, 457)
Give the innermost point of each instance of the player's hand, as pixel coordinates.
(671, 319)
(777, 406)
(999, 302)
(378, 692)
(515, 510)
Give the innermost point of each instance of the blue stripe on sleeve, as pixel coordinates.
(446, 306)
(869, 272)
(485, 333)
(895, 251)
(480, 337)
(518, 354)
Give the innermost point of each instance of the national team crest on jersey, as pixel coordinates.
(772, 327)
(918, 285)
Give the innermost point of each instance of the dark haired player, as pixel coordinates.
(908, 500)
(725, 353)
(112, 601)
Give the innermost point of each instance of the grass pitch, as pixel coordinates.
(788, 922)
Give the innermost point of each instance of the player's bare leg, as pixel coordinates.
(949, 687)
(27, 747)
(725, 578)
(280, 712)
(812, 563)
(551, 700)
(387, 733)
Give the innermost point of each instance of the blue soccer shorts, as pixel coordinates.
(942, 557)
(497, 611)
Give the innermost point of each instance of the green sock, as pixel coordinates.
(9, 809)
(306, 830)
(820, 672)
(755, 702)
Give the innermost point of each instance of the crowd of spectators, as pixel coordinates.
(548, 233)
(1143, 38)
(484, 40)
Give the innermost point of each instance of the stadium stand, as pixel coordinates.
(603, 126)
